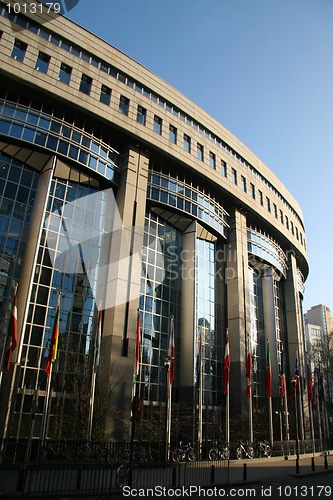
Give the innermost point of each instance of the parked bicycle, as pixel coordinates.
(264, 450)
(244, 450)
(216, 453)
(127, 475)
(184, 452)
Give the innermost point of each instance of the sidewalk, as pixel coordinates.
(269, 469)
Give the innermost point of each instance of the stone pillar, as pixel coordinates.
(238, 311)
(186, 364)
(123, 285)
(296, 336)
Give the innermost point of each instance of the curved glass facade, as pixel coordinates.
(187, 197)
(78, 319)
(266, 249)
(46, 127)
(159, 300)
(18, 186)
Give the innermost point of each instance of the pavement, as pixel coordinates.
(266, 470)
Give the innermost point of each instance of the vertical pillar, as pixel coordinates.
(270, 326)
(295, 334)
(123, 282)
(238, 311)
(186, 364)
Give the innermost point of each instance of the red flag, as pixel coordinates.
(248, 374)
(310, 388)
(172, 352)
(283, 375)
(12, 334)
(54, 341)
(268, 373)
(137, 351)
(226, 365)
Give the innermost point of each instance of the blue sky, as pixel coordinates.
(264, 70)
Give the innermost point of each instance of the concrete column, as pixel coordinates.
(270, 327)
(186, 364)
(296, 335)
(124, 277)
(238, 313)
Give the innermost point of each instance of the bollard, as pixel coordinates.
(245, 472)
(297, 466)
(212, 474)
(174, 476)
(325, 461)
(312, 464)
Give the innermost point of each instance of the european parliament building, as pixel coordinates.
(124, 196)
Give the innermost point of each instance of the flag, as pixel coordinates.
(198, 363)
(310, 388)
(98, 342)
(137, 351)
(12, 333)
(172, 352)
(320, 385)
(226, 365)
(248, 374)
(283, 375)
(52, 356)
(268, 372)
(298, 382)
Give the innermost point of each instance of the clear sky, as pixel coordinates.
(264, 70)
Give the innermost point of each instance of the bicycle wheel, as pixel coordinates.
(251, 452)
(176, 456)
(268, 451)
(239, 453)
(121, 476)
(191, 456)
(226, 454)
(213, 454)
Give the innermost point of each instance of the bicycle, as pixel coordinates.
(244, 450)
(216, 453)
(183, 452)
(126, 474)
(264, 449)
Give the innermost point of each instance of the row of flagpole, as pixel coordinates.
(11, 345)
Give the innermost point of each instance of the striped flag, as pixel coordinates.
(310, 388)
(12, 333)
(198, 363)
(52, 356)
(137, 351)
(98, 342)
(172, 352)
(248, 374)
(268, 372)
(283, 375)
(226, 366)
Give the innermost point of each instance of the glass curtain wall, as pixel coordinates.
(18, 186)
(208, 330)
(71, 377)
(159, 300)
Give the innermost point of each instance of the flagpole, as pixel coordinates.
(269, 390)
(93, 375)
(200, 394)
(226, 389)
(46, 408)
(48, 370)
(285, 397)
(249, 391)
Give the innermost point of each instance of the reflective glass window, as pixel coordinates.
(85, 84)
(105, 96)
(172, 134)
(157, 125)
(141, 115)
(65, 73)
(19, 50)
(42, 63)
(123, 105)
(200, 152)
(187, 143)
